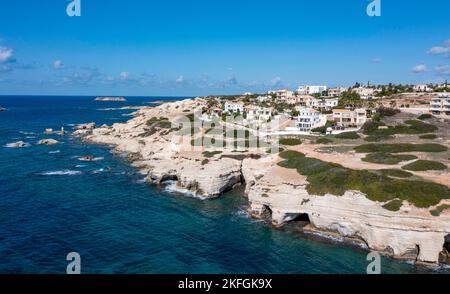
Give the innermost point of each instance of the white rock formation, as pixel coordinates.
(410, 233)
(47, 142)
(407, 234)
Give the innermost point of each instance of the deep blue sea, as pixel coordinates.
(52, 204)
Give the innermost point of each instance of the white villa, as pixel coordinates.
(232, 107)
(323, 103)
(310, 90)
(350, 117)
(422, 88)
(309, 119)
(282, 94)
(263, 98)
(336, 92)
(365, 93)
(299, 99)
(440, 106)
(258, 113)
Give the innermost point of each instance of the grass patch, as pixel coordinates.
(393, 205)
(290, 141)
(377, 138)
(425, 116)
(438, 210)
(324, 141)
(155, 125)
(411, 127)
(424, 165)
(324, 178)
(399, 148)
(428, 137)
(387, 158)
(348, 136)
(397, 173)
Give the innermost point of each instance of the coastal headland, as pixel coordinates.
(342, 186)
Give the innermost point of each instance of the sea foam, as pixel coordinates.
(65, 172)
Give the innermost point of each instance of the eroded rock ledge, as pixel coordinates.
(155, 148)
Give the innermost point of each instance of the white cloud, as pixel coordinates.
(420, 68)
(58, 64)
(124, 75)
(377, 60)
(6, 54)
(440, 50)
(275, 82)
(443, 69)
(180, 79)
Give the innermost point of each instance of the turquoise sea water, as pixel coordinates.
(52, 204)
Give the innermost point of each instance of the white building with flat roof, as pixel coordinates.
(323, 103)
(365, 93)
(258, 113)
(282, 94)
(310, 90)
(336, 92)
(309, 119)
(350, 117)
(422, 88)
(232, 107)
(440, 106)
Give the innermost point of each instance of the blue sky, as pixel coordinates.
(199, 47)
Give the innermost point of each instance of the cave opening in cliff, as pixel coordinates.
(444, 256)
(302, 217)
(266, 213)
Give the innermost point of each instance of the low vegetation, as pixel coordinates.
(324, 141)
(329, 178)
(438, 210)
(396, 173)
(376, 138)
(387, 158)
(290, 141)
(424, 165)
(393, 205)
(399, 148)
(347, 135)
(411, 127)
(156, 124)
(425, 116)
(428, 137)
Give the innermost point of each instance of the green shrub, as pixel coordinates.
(438, 210)
(424, 165)
(428, 137)
(393, 205)
(348, 135)
(385, 111)
(378, 138)
(425, 116)
(387, 158)
(324, 141)
(412, 127)
(397, 173)
(329, 178)
(399, 148)
(290, 141)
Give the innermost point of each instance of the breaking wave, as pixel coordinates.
(65, 172)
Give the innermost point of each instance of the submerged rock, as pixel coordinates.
(48, 142)
(19, 144)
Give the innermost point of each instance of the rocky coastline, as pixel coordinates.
(160, 152)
